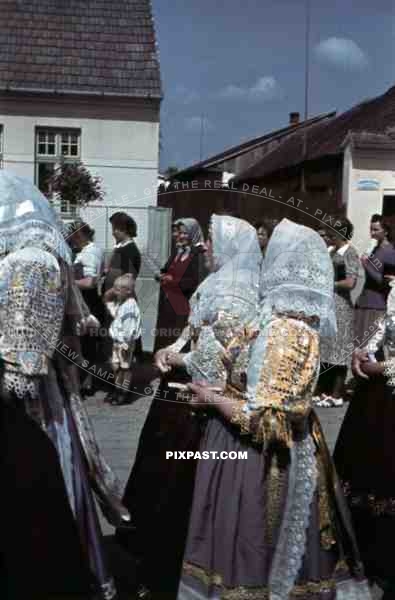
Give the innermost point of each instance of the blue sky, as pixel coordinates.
(239, 64)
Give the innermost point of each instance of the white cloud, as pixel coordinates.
(194, 124)
(265, 88)
(185, 95)
(341, 52)
(233, 91)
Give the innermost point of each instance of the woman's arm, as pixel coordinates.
(287, 369)
(91, 261)
(86, 283)
(374, 271)
(161, 359)
(351, 263)
(346, 284)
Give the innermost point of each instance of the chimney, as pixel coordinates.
(294, 118)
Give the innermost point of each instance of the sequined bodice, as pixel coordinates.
(389, 337)
(32, 303)
(220, 356)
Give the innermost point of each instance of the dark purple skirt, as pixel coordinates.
(236, 519)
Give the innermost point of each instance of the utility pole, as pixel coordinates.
(201, 136)
(306, 92)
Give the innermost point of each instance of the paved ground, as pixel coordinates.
(118, 430)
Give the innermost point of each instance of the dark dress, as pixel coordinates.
(124, 259)
(371, 304)
(174, 297)
(159, 492)
(92, 343)
(365, 461)
(41, 556)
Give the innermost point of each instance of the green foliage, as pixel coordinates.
(74, 183)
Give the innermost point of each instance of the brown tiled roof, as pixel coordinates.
(374, 141)
(79, 46)
(234, 151)
(327, 138)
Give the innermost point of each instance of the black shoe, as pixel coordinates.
(108, 398)
(120, 400)
(143, 593)
(89, 390)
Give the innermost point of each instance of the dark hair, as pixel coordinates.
(342, 228)
(80, 227)
(124, 222)
(376, 218)
(267, 224)
(86, 231)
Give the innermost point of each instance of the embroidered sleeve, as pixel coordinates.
(377, 340)
(241, 417)
(32, 307)
(389, 371)
(205, 362)
(218, 349)
(352, 263)
(182, 341)
(287, 376)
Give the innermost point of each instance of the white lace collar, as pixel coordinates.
(124, 243)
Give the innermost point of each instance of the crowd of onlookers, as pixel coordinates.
(108, 290)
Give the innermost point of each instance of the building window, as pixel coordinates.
(54, 146)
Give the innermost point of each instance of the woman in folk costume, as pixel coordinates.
(364, 453)
(178, 281)
(159, 491)
(41, 314)
(274, 526)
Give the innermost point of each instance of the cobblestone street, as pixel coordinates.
(118, 429)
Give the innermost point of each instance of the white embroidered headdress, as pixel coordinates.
(27, 219)
(298, 276)
(235, 283)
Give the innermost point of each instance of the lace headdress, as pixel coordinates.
(298, 276)
(27, 219)
(234, 285)
(391, 299)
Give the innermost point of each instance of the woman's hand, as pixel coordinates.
(160, 360)
(372, 369)
(359, 358)
(175, 359)
(166, 278)
(204, 394)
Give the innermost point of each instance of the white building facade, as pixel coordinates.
(369, 182)
(80, 82)
(116, 140)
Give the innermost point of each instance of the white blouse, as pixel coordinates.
(91, 258)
